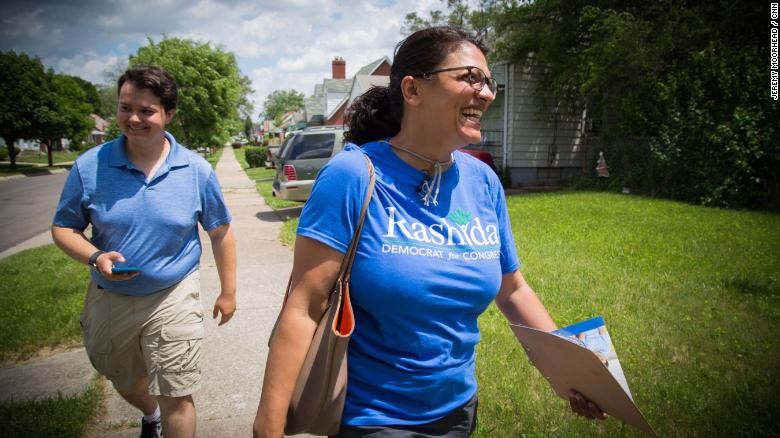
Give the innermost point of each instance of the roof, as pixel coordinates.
(338, 85)
(337, 107)
(367, 81)
(313, 107)
(371, 67)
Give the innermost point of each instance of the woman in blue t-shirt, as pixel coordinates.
(436, 248)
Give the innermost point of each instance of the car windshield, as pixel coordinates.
(302, 147)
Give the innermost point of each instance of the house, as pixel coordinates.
(333, 96)
(98, 133)
(538, 146)
(362, 83)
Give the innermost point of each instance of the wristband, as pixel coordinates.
(92, 262)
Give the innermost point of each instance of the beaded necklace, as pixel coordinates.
(429, 188)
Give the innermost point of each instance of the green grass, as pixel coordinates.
(41, 296)
(263, 178)
(214, 158)
(53, 417)
(57, 157)
(27, 169)
(691, 296)
(287, 235)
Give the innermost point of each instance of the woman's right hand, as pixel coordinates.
(105, 266)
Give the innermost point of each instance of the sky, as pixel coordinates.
(278, 44)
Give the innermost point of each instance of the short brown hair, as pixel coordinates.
(154, 79)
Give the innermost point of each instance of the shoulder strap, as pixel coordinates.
(349, 256)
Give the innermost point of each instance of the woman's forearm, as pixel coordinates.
(520, 305)
(286, 355)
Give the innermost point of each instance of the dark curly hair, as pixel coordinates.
(154, 79)
(377, 113)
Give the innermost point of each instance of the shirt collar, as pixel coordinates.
(177, 156)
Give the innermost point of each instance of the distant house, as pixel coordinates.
(336, 94)
(314, 108)
(538, 146)
(24, 144)
(331, 98)
(98, 133)
(362, 83)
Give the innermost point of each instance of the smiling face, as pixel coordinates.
(453, 107)
(141, 116)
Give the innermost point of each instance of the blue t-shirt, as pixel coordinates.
(422, 276)
(153, 224)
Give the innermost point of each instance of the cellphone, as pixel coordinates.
(125, 270)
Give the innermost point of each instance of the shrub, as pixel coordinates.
(4, 152)
(255, 156)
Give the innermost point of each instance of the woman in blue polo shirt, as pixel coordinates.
(436, 248)
(144, 195)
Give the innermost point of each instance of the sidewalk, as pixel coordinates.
(233, 355)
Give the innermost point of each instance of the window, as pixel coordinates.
(305, 147)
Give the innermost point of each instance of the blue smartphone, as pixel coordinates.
(125, 270)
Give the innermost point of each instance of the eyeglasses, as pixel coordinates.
(475, 77)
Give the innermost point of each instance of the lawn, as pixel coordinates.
(263, 179)
(52, 417)
(27, 169)
(41, 296)
(214, 158)
(691, 296)
(57, 157)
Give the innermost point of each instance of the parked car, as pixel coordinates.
(270, 155)
(272, 152)
(483, 156)
(301, 157)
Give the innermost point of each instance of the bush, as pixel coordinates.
(81, 147)
(4, 152)
(255, 156)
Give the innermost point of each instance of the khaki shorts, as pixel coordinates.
(158, 336)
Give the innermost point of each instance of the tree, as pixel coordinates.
(107, 91)
(212, 91)
(678, 86)
(109, 100)
(457, 13)
(281, 101)
(248, 127)
(24, 90)
(91, 95)
(67, 115)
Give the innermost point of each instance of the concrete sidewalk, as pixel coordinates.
(233, 355)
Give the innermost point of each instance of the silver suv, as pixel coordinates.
(301, 157)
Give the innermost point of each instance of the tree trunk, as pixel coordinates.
(49, 152)
(11, 152)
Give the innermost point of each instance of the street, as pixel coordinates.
(28, 206)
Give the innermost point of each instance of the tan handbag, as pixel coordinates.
(320, 390)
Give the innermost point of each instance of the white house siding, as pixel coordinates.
(539, 150)
(334, 99)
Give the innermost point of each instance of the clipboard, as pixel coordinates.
(569, 366)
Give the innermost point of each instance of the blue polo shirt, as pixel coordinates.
(153, 224)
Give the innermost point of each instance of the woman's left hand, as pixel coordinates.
(584, 407)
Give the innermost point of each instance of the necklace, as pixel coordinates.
(428, 190)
